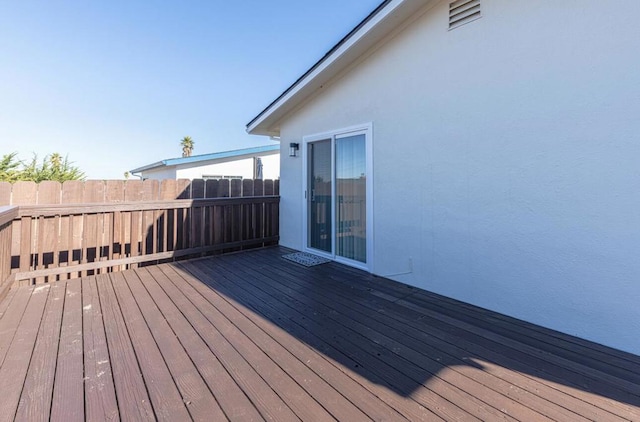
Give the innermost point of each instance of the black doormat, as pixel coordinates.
(306, 259)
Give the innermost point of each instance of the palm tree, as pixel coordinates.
(187, 146)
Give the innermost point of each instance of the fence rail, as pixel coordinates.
(51, 242)
(7, 215)
(110, 191)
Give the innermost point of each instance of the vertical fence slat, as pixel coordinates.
(114, 192)
(133, 192)
(5, 193)
(258, 190)
(236, 212)
(197, 214)
(72, 193)
(94, 192)
(49, 192)
(247, 211)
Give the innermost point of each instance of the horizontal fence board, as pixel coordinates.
(78, 209)
(111, 191)
(142, 259)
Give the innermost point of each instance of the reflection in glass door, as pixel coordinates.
(337, 196)
(351, 194)
(320, 195)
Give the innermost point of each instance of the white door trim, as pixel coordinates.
(367, 130)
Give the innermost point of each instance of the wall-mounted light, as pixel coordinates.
(293, 149)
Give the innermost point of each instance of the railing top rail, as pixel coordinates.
(79, 209)
(8, 214)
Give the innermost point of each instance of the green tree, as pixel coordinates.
(9, 164)
(52, 167)
(187, 146)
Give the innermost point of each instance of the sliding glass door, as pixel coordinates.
(320, 227)
(336, 196)
(351, 198)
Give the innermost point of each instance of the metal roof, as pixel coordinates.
(208, 157)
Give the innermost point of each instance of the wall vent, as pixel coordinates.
(463, 11)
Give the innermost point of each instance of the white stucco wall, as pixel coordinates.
(231, 167)
(243, 167)
(506, 160)
(160, 173)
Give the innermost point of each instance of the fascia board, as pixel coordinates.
(371, 32)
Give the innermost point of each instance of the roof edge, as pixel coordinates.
(262, 149)
(324, 58)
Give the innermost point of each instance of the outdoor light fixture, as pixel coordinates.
(293, 149)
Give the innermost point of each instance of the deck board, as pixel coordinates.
(297, 399)
(166, 399)
(268, 403)
(132, 396)
(250, 337)
(35, 403)
(68, 388)
(235, 404)
(99, 389)
(16, 363)
(446, 398)
(452, 325)
(195, 394)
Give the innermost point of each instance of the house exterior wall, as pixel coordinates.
(160, 173)
(506, 160)
(243, 168)
(230, 167)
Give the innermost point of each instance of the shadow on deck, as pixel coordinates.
(251, 336)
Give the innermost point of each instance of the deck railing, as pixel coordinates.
(7, 215)
(52, 242)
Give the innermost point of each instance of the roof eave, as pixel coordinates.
(149, 167)
(382, 21)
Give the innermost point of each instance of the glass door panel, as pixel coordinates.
(351, 198)
(320, 203)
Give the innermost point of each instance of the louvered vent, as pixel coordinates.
(463, 11)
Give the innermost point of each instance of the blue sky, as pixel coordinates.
(116, 84)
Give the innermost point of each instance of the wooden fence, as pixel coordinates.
(72, 241)
(109, 191)
(47, 242)
(7, 215)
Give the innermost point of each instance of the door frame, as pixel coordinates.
(367, 130)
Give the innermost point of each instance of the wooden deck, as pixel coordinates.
(251, 336)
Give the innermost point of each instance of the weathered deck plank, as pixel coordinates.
(268, 403)
(68, 388)
(378, 308)
(445, 399)
(11, 319)
(317, 387)
(99, 389)
(16, 363)
(131, 393)
(361, 397)
(253, 337)
(301, 402)
(35, 403)
(163, 392)
(195, 394)
(235, 404)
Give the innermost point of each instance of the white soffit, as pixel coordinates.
(390, 17)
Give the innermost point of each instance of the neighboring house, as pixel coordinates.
(486, 150)
(251, 163)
